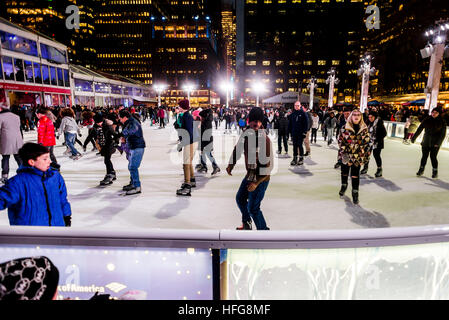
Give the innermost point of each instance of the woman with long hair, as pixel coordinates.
(354, 152)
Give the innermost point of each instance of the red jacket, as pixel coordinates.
(46, 132)
(161, 113)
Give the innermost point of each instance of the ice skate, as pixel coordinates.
(355, 196)
(420, 172)
(245, 226)
(134, 190)
(434, 173)
(215, 171)
(378, 173)
(343, 190)
(107, 180)
(294, 162)
(186, 190)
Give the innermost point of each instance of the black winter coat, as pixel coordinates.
(281, 124)
(298, 124)
(206, 124)
(434, 134)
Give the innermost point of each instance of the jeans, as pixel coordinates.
(355, 175)
(135, 158)
(249, 203)
(208, 154)
(5, 163)
(70, 140)
(330, 134)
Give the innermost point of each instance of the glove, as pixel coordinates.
(68, 221)
(57, 136)
(80, 135)
(179, 147)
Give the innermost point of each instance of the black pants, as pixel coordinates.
(282, 138)
(355, 175)
(161, 122)
(228, 126)
(297, 145)
(314, 132)
(5, 163)
(433, 156)
(216, 124)
(108, 163)
(90, 138)
(376, 154)
(52, 155)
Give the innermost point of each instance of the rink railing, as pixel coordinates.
(388, 263)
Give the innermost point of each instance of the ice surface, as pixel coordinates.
(303, 198)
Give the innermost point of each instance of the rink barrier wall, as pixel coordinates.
(396, 130)
(225, 239)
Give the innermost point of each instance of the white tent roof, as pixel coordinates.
(289, 97)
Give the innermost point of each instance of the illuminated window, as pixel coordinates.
(251, 54)
(265, 63)
(251, 63)
(335, 62)
(321, 62)
(279, 63)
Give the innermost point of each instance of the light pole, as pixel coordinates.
(331, 81)
(258, 88)
(311, 86)
(159, 88)
(228, 87)
(365, 70)
(436, 49)
(189, 88)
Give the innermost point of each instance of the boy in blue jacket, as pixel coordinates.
(37, 195)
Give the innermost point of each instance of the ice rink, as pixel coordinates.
(300, 198)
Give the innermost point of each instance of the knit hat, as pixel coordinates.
(184, 104)
(437, 109)
(98, 118)
(34, 278)
(256, 114)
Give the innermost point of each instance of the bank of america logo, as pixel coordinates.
(116, 287)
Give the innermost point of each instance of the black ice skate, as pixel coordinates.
(420, 171)
(355, 196)
(435, 173)
(245, 226)
(215, 171)
(186, 190)
(300, 161)
(134, 190)
(203, 169)
(107, 180)
(294, 161)
(128, 187)
(343, 190)
(193, 182)
(378, 173)
(364, 170)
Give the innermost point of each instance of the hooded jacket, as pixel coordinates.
(46, 132)
(132, 131)
(35, 198)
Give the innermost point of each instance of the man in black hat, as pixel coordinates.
(256, 146)
(434, 134)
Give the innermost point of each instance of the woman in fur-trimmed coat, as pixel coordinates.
(354, 152)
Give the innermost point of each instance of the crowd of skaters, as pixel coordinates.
(119, 129)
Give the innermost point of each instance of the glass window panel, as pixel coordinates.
(18, 44)
(45, 74)
(29, 71)
(101, 87)
(116, 89)
(53, 76)
(83, 85)
(60, 78)
(66, 78)
(53, 54)
(18, 69)
(37, 73)
(8, 69)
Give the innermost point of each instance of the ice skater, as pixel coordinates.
(256, 146)
(377, 133)
(434, 133)
(354, 152)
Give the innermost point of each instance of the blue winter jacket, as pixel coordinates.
(35, 198)
(132, 131)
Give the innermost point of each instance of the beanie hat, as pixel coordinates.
(373, 113)
(184, 104)
(437, 109)
(98, 118)
(256, 114)
(33, 278)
